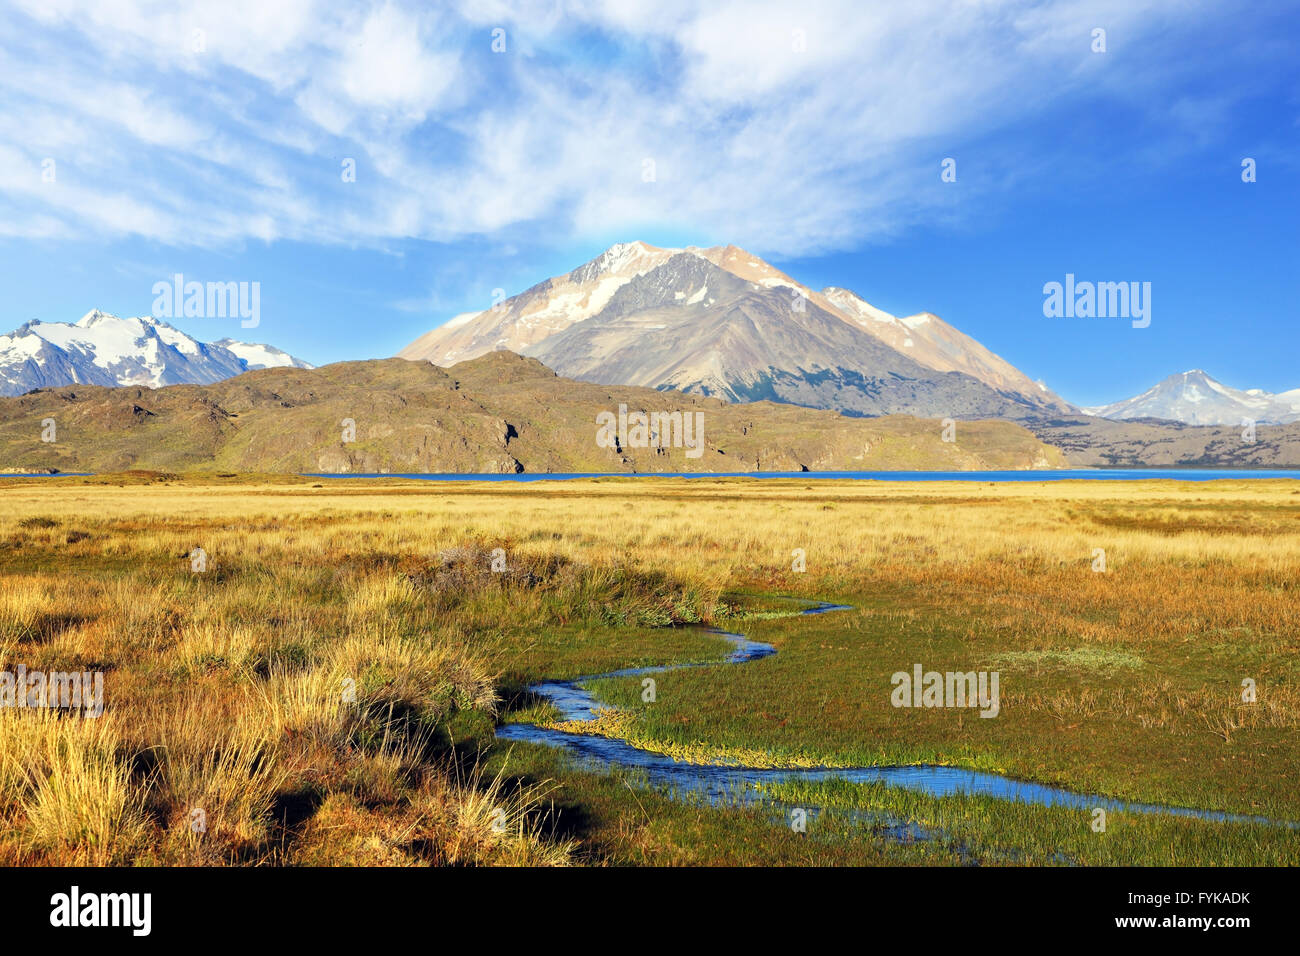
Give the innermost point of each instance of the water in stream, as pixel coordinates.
(721, 784)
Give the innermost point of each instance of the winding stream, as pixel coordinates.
(724, 784)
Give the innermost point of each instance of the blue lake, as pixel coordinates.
(1077, 474)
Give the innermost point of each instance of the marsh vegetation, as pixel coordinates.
(326, 690)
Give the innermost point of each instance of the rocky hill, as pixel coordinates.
(499, 413)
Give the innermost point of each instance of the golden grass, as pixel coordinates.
(73, 798)
(273, 678)
(226, 690)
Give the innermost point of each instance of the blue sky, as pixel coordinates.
(209, 139)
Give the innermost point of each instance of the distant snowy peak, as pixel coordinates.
(257, 356)
(104, 349)
(1194, 398)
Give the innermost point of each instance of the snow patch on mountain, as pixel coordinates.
(551, 307)
(104, 349)
(255, 355)
(1195, 398)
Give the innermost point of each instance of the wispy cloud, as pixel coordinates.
(791, 127)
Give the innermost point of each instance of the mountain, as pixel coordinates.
(257, 356)
(499, 413)
(930, 340)
(548, 307)
(720, 321)
(689, 325)
(102, 349)
(1194, 398)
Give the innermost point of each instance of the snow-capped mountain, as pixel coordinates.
(103, 349)
(1194, 398)
(257, 356)
(548, 307)
(622, 319)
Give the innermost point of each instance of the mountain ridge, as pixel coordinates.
(1195, 398)
(499, 413)
(770, 340)
(108, 350)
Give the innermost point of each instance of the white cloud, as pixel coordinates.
(781, 149)
(389, 67)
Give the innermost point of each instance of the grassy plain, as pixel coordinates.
(225, 688)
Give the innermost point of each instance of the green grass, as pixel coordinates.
(619, 820)
(991, 831)
(824, 698)
(1087, 659)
